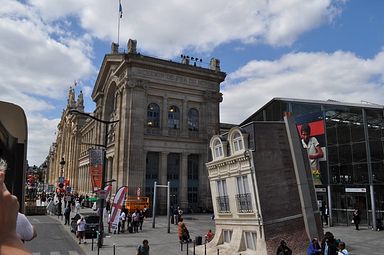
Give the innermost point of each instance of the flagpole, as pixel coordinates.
(118, 22)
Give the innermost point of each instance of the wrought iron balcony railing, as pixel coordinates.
(244, 203)
(223, 204)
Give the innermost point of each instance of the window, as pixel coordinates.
(243, 197)
(237, 142)
(218, 149)
(193, 120)
(250, 240)
(173, 117)
(242, 185)
(227, 235)
(222, 200)
(222, 188)
(153, 115)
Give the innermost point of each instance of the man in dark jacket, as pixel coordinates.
(283, 249)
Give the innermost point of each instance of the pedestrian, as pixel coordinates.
(328, 244)
(11, 245)
(67, 214)
(283, 249)
(209, 236)
(135, 221)
(122, 219)
(77, 206)
(314, 247)
(81, 229)
(176, 215)
(324, 213)
(141, 220)
(356, 218)
(143, 249)
(24, 229)
(342, 250)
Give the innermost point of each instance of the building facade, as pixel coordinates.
(262, 191)
(166, 112)
(352, 171)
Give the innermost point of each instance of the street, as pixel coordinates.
(52, 238)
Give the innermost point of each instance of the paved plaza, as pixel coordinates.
(364, 241)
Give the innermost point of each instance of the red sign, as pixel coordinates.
(96, 167)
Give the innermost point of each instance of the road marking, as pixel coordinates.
(73, 253)
(55, 253)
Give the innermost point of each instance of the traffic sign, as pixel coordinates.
(69, 189)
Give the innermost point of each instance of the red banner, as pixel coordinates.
(96, 167)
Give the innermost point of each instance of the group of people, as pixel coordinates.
(134, 221)
(328, 246)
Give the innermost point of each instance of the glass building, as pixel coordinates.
(352, 139)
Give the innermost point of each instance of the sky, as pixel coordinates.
(317, 49)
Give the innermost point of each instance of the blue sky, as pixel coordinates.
(318, 49)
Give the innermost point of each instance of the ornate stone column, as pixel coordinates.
(184, 118)
(164, 117)
(183, 176)
(163, 171)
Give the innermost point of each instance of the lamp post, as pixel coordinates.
(104, 145)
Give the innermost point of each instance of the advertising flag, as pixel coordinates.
(96, 167)
(117, 206)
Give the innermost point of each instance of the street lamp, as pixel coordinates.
(103, 182)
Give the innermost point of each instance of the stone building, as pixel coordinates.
(166, 111)
(262, 190)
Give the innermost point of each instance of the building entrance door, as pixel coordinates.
(357, 201)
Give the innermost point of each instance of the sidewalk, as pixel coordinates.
(160, 241)
(364, 241)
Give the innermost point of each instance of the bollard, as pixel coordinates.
(205, 247)
(218, 251)
(114, 249)
(187, 247)
(98, 246)
(194, 248)
(181, 246)
(92, 244)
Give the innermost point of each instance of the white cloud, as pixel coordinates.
(341, 76)
(47, 44)
(41, 133)
(39, 61)
(166, 29)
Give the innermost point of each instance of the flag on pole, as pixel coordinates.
(120, 9)
(117, 206)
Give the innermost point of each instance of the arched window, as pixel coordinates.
(218, 149)
(193, 119)
(173, 117)
(153, 115)
(237, 142)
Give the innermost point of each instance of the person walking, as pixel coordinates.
(77, 206)
(356, 218)
(67, 214)
(135, 221)
(123, 220)
(141, 220)
(81, 229)
(143, 249)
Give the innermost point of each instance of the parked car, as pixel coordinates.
(91, 226)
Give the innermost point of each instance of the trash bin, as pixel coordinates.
(198, 240)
